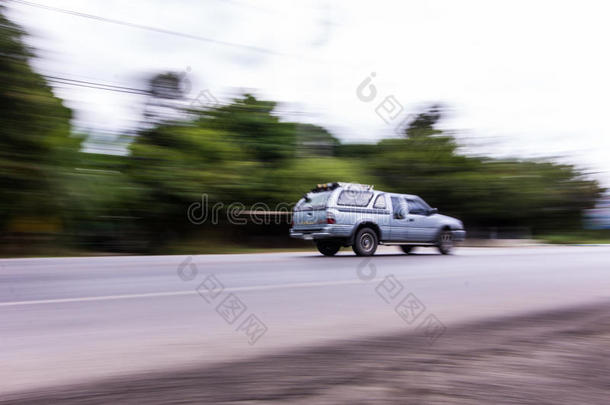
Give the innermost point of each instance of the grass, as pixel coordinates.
(216, 246)
(586, 237)
(188, 247)
(227, 247)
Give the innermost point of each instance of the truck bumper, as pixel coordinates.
(459, 235)
(330, 231)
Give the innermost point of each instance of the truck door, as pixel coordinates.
(422, 226)
(399, 221)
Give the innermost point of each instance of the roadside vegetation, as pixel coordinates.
(55, 197)
(580, 237)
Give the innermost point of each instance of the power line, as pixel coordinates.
(97, 86)
(150, 28)
(57, 78)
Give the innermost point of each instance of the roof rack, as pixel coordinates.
(332, 186)
(356, 185)
(325, 187)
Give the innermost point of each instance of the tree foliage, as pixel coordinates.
(482, 191)
(240, 151)
(37, 149)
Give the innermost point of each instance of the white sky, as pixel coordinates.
(521, 78)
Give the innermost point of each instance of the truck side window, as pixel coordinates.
(416, 207)
(355, 198)
(398, 208)
(380, 201)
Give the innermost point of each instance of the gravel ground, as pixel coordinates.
(560, 357)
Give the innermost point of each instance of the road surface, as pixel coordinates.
(68, 320)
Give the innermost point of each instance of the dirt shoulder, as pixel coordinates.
(560, 357)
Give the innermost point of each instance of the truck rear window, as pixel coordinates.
(355, 198)
(317, 201)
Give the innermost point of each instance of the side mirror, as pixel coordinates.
(398, 215)
(433, 211)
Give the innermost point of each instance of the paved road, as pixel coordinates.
(74, 319)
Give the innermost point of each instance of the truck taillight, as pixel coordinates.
(330, 220)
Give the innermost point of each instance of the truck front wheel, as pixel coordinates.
(445, 242)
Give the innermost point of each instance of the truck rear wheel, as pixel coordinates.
(328, 248)
(365, 242)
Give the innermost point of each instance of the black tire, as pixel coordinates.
(328, 248)
(406, 249)
(444, 242)
(365, 242)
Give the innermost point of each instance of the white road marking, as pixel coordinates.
(179, 293)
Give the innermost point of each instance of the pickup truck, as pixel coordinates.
(335, 215)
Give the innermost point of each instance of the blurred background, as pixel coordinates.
(151, 131)
(115, 117)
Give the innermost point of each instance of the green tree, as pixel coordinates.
(315, 141)
(259, 131)
(37, 149)
(483, 191)
(166, 93)
(240, 152)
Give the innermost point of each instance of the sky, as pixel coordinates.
(518, 78)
